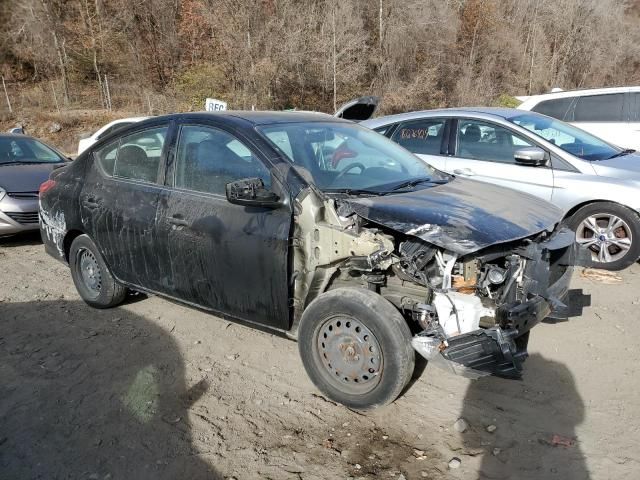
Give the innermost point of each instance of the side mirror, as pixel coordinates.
(531, 157)
(251, 192)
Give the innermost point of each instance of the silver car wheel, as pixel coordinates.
(607, 236)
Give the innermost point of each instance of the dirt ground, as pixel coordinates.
(154, 390)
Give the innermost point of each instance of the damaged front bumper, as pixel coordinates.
(501, 349)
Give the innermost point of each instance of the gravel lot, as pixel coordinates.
(154, 390)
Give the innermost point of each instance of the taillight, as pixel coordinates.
(48, 185)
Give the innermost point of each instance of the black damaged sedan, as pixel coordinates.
(320, 230)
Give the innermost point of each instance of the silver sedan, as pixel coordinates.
(596, 184)
(25, 163)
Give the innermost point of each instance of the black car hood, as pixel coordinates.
(462, 216)
(23, 177)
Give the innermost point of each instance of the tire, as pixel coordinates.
(356, 348)
(96, 285)
(612, 249)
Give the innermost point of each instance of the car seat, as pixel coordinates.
(132, 162)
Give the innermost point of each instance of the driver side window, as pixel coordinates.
(208, 158)
(485, 141)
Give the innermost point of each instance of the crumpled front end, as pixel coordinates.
(515, 291)
(470, 310)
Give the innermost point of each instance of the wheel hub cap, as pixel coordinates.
(607, 236)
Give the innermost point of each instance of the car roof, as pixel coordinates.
(262, 117)
(485, 112)
(576, 93)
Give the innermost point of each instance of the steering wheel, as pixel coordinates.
(348, 168)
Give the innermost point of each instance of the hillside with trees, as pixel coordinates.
(155, 56)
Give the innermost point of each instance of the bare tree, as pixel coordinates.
(317, 53)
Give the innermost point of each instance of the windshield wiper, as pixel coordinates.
(624, 152)
(355, 191)
(415, 182)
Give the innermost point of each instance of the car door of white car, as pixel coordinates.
(424, 137)
(485, 151)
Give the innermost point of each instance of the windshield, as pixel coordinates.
(569, 138)
(343, 157)
(26, 150)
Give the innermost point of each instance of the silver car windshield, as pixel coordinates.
(569, 138)
(26, 150)
(342, 157)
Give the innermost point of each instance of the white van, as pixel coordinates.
(612, 114)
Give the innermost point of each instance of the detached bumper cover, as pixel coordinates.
(476, 354)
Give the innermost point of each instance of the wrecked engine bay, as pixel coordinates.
(470, 309)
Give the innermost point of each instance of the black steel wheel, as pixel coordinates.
(351, 353)
(89, 272)
(356, 348)
(92, 277)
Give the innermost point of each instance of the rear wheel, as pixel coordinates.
(92, 278)
(356, 348)
(610, 231)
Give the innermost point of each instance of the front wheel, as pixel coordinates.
(92, 278)
(610, 231)
(356, 348)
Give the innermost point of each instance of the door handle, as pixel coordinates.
(464, 171)
(178, 221)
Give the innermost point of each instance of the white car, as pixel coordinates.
(612, 114)
(106, 130)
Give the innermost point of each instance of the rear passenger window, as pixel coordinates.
(556, 108)
(208, 158)
(138, 156)
(420, 136)
(106, 157)
(383, 130)
(599, 108)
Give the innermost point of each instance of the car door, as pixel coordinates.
(605, 116)
(226, 257)
(485, 151)
(425, 137)
(118, 203)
